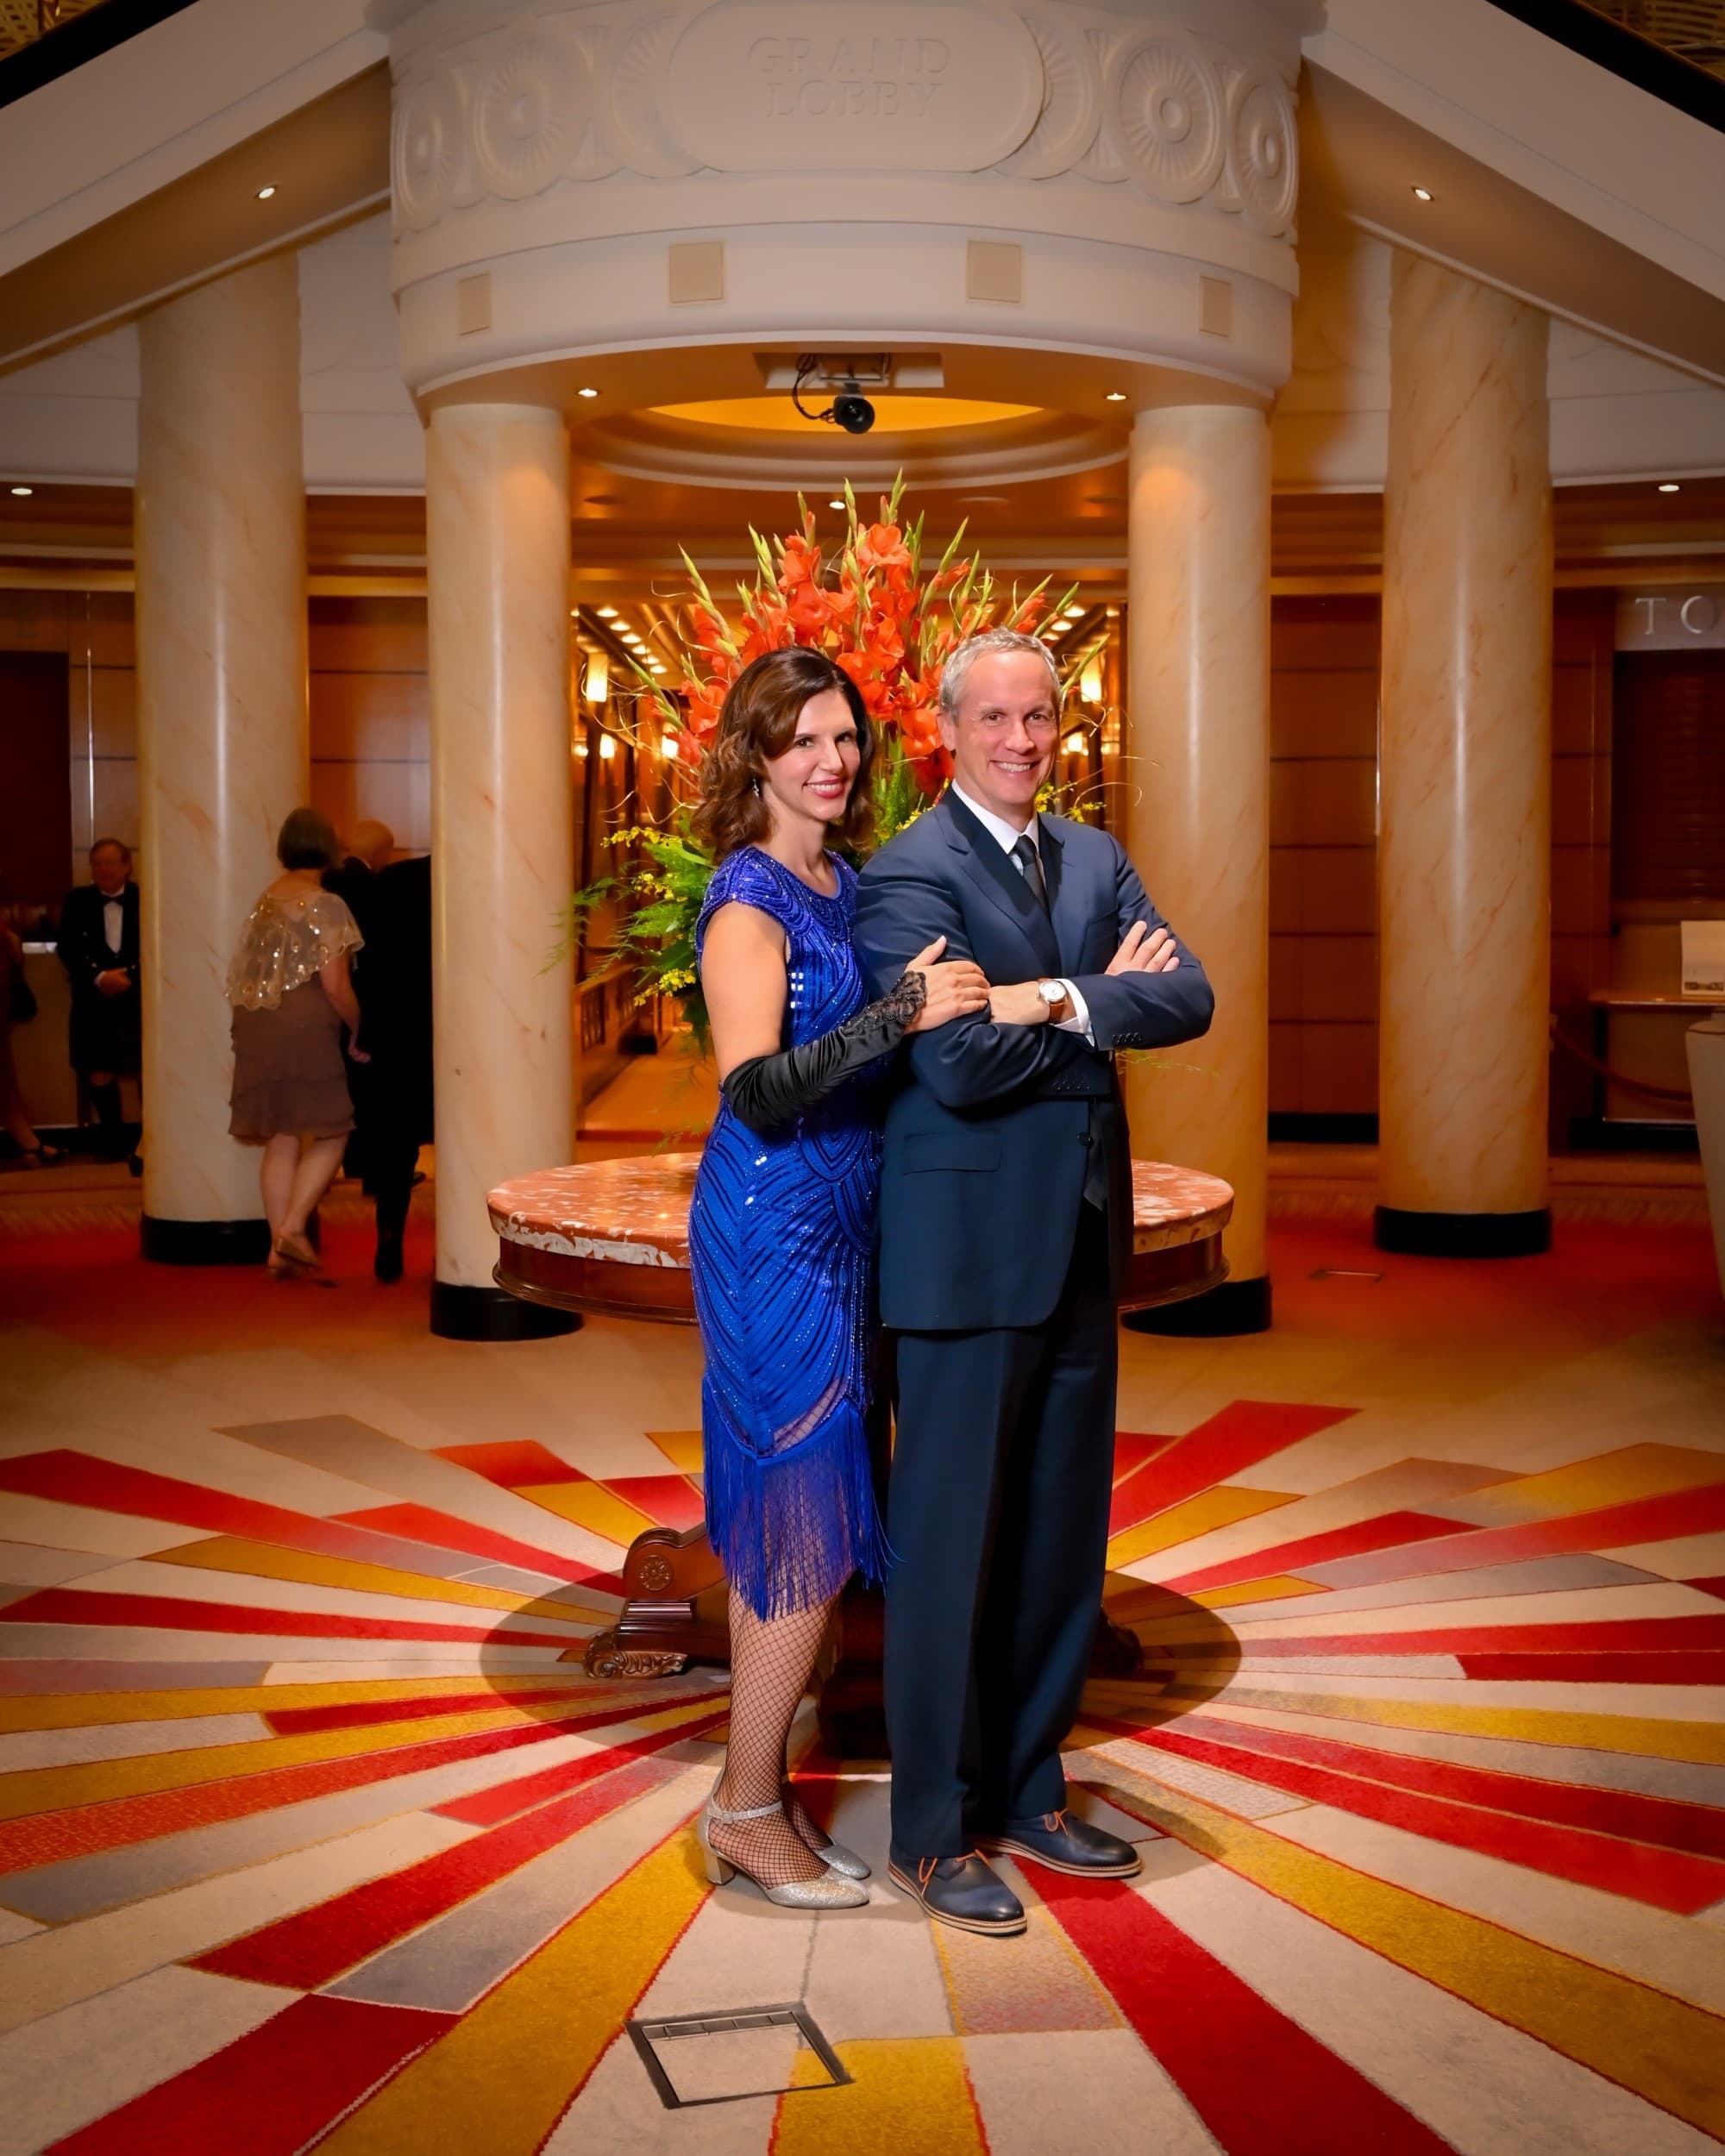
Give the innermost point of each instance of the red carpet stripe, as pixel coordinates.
(79, 1606)
(1627, 1635)
(511, 1464)
(419, 1523)
(1133, 1448)
(48, 1837)
(1244, 1433)
(315, 1946)
(1388, 1530)
(1662, 1822)
(671, 1501)
(1261, 2084)
(79, 1478)
(272, 2091)
(1707, 1667)
(1684, 1512)
(508, 1800)
(1663, 1878)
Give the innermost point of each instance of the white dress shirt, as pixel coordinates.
(1005, 836)
(113, 923)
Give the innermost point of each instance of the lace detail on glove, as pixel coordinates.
(770, 1091)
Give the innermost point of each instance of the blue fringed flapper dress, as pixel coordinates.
(781, 1232)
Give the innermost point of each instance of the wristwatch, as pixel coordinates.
(1053, 993)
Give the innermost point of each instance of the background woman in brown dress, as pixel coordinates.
(291, 995)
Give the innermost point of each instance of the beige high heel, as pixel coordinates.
(829, 1891)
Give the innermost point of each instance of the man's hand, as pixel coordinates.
(114, 982)
(1145, 954)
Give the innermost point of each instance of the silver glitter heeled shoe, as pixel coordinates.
(836, 1855)
(829, 1891)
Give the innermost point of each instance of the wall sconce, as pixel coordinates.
(607, 746)
(598, 677)
(1090, 681)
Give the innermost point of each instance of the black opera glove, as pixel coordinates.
(770, 1091)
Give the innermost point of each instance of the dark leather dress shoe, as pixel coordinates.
(966, 1891)
(1065, 1843)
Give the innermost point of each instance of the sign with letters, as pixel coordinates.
(943, 85)
(1680, 618)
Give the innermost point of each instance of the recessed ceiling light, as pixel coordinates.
(1116, 396)
(264, 193)
(1666, 486)
(23, 490)
(587, 392)
(835, 504)
(1424, 194)
(1076, 613)
(607, 613)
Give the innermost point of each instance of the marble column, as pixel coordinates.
(497, 499)
(1196, 776)
(220, 510)
(1465, 773)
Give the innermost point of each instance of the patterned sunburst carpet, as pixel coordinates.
(314, 1834)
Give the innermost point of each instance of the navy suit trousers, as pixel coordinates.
(999, 1518)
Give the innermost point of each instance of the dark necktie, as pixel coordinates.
(1024, 852)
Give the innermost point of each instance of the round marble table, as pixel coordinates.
(612, 1238)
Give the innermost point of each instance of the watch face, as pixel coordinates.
(1050, 992)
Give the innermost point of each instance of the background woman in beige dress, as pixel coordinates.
(291, 995)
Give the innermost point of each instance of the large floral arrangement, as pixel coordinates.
(872, 605)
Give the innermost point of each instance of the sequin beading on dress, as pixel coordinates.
(782, 1231)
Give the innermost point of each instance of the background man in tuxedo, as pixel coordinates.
(98, 947)
(392, 976)
(1005, 1234)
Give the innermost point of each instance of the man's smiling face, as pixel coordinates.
(1003, 738)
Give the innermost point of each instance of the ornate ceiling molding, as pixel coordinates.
(1043, 92)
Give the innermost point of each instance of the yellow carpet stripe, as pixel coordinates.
(34, 1789)
(503, 2077)
(267, 1561)
(1278, 1589)
(682, 1448)
(1646, 1736)
(80, 1710)
(1219, 1507)
(589, 1505)
(1611, 1478)
(910, 2096)
(1661, 2048)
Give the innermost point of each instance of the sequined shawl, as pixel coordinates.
(285, 942)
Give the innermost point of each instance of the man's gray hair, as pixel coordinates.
(957, 671)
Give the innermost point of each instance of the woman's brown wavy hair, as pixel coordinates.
(756, 724)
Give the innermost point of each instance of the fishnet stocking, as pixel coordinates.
(771, 1661)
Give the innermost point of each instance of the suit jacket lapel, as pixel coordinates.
(995, 876)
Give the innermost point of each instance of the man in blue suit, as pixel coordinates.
(1005, 1235)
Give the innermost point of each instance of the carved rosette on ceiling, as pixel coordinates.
(1041, 91)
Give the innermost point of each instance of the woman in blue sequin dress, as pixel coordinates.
(782, 1228)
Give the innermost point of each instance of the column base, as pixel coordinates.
(1463, 1234)
(492, 1313)
(1237, 1306)
(202, 1242)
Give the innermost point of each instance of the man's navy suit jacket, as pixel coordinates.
(989, 1128)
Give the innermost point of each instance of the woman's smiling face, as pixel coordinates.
(814, 778)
